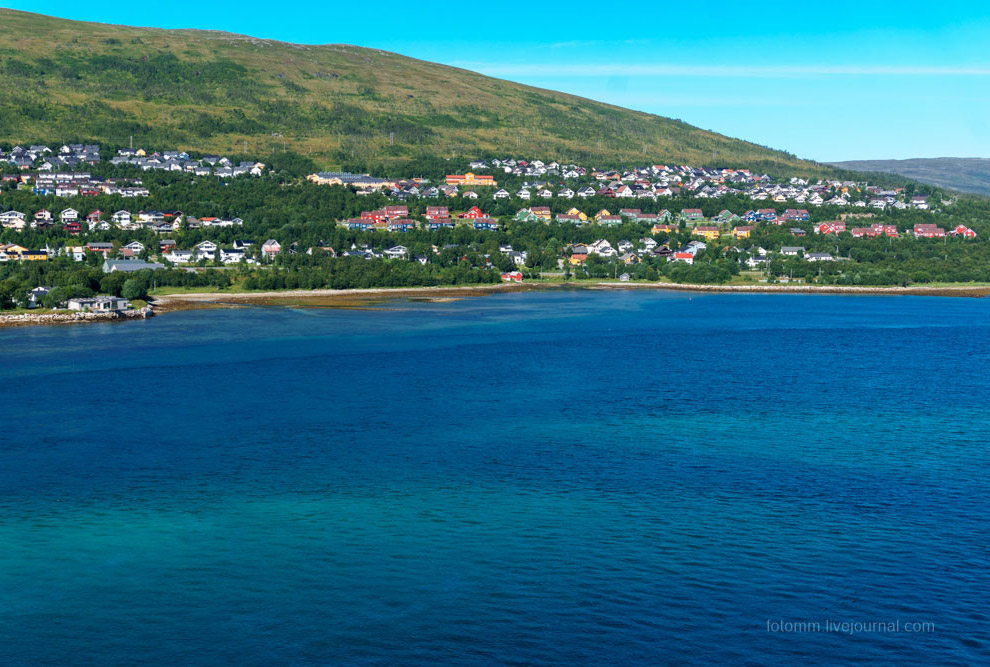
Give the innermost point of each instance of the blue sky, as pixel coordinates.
(829, 80)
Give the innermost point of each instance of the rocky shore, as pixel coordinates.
(71, 317)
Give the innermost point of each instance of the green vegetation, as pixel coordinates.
(964, 174)
(197, 90)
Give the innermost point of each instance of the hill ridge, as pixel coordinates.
(212, 89)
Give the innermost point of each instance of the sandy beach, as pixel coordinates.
(362, 297)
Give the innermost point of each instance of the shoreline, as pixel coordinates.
(30, 319)
(182, 301)
(365, 297)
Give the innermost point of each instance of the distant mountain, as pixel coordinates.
(205, 90)
(967, 174)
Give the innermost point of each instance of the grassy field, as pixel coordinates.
(215, 91)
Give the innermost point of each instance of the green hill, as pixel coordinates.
(958, 173)
(207, 90)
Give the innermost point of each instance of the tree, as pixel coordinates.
(134, 289)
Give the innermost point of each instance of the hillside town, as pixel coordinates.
(569, 181)
(494, 196)
(42, 158)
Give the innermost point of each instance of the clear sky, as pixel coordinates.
(832, 80)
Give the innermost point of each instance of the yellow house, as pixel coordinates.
(742, 232)
(13, 249)
(601, 214)
(708, 232)
(34, 255)
(580, 214)
(663, 227)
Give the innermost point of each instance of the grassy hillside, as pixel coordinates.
(964, 174)
(211, 90)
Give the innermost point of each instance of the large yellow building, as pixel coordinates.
(471, 179)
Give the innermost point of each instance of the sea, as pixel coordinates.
(554, 477)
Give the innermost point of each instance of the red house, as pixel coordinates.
(473, 213)
(963, 231)
(512, 277)
(437, 212)
(396, 212)
(72, 227)
(928, 231)
(378, 215)
(832, 227)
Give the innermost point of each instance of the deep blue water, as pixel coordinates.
(575, 477)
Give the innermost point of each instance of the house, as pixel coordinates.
(512, 277)
(525, 215)
(486, 224)
(501, 194)
(725, 215)
(129, 265)
(819, 257)
(99, 246)
(473, 213)
(686, 257)
(518, 258)
(440, 223)
(963, 231)
(542, 212)
(756, 261)
(692, 214)
(471, 179)
(135, 246)
(436, 212)
(797, 231)
(624, 277)
(830, 227)
(767, 215)
(401, 225)
(706, 231)
(232, 255)
(791, 251)
(742, 232)
(396, 252)
(357, 224)
(37, 295)
(393, 212)
(99, 304)
(928, 231)
(205, 250)
(179, 256)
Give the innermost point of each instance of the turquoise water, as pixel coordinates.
(574, 477)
